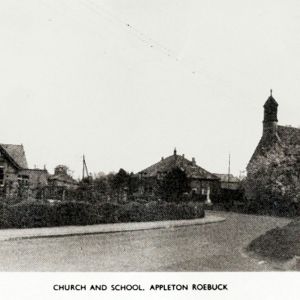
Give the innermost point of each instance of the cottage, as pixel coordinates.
(229, 182)
(16, 176)
(61, 178)
(201, 181)
(14, 171)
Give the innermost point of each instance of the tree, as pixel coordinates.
(120, 180)
(119, 185)
(173, 185)
(100, 183)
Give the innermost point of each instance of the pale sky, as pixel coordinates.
(126, 81)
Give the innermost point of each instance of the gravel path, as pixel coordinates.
(11, 234)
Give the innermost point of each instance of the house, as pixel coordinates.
(14, 171)
(229, 182)
(274, 137)
(16, 176)
(61, 178)
(201, 181)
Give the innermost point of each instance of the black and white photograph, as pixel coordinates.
(150, 136)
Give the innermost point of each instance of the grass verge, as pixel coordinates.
(279, 244)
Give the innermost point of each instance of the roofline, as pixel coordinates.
(35, 169)
(199, 178)
(10, 158)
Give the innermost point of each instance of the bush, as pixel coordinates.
(75, 213)
(107, 212)
(158, 211)
(26, 215)
(278, 243)
(130, 212)
(43, 214)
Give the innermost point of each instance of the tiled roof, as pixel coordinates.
(287, 137)
(63, 178)
(173, 161)
(17, 154)
(224, 178)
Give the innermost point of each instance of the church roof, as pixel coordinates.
(271, 102)
(173, 161)
(287, 137)
(16, 153)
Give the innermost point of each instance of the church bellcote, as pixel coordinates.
(270, 116)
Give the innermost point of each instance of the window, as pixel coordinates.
(23, 179)
(1, 176)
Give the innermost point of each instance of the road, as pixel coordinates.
(210, 247)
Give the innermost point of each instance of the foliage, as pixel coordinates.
(44, 214)
(273, 180)
(278, 243)
(174, 185)
(102, 188)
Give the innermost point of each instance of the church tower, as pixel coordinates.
(270, 117)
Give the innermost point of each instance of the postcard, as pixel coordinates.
(149, 149)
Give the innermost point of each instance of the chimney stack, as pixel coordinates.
(194, 161)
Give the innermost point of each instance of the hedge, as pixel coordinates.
(44, 214)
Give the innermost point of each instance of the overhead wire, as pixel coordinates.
(190, 67)
(144, 38)
(99, 10)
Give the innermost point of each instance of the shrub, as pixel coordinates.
(44, 214)
(130, 212)
(27, 215)
(75, 213)
(107, 212)
(174, 185)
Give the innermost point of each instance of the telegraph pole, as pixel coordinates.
(84, 168)
(229, 157)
